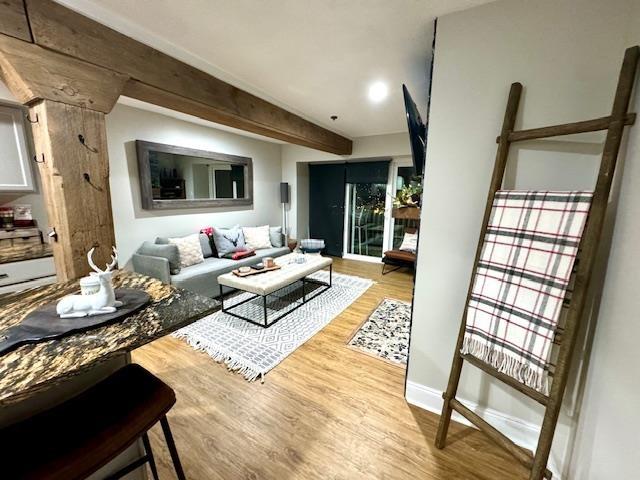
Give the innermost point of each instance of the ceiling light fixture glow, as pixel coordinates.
(378, 91)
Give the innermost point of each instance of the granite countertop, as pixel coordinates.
(30, 369)
(18, 253)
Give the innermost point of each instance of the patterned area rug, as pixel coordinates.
(252, 350)
(386, 333)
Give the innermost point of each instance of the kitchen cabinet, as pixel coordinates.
(15, 162)
(26, 266)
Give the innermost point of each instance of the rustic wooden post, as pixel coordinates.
(75, 183)
(69, 99)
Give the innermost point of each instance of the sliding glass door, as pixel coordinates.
(366, 204)
(404, 177)
(365, 219)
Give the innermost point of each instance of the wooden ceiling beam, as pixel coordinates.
(34, 73)
(163, 80)
(13, 20)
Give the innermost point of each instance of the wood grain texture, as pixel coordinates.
(585, 126)
(163, 80)
(22, 252)
(13, 20)
(326, 412)
(79, 210)
(33, 73)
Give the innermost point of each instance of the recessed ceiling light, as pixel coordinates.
(378, 91)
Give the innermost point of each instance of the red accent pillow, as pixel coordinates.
(243, 254)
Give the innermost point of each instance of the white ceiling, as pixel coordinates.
(316, 58)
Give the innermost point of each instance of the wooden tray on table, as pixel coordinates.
(253, 271)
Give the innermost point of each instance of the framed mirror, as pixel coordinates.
(177, 177)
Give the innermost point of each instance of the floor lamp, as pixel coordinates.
(284, 199)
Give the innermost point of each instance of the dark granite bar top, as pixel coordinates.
(33, 368)
(18, 253)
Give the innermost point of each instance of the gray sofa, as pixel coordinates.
(203, 277)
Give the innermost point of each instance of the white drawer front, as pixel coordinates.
(17, 272)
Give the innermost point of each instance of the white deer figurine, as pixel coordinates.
(103, 301)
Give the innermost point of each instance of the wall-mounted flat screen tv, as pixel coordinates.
(417, 132)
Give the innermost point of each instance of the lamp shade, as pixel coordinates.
(284, 192)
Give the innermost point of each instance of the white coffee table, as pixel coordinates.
(267, 283)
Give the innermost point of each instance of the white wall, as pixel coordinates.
(608, 434)
(567, 55)
(133, 225)
(395, 145)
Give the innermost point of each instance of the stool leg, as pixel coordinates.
(149, 452)
(172, 448)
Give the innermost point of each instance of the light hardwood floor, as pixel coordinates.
(326, 412)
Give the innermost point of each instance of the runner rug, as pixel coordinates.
(385, 333)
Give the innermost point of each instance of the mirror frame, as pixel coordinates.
(144, 173)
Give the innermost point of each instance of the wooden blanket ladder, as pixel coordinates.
(614, 125)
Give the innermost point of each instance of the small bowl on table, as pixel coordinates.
(244, 269)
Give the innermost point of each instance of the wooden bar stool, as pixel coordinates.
(78, 437)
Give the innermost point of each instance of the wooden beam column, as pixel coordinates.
(67, 100)
(75, 183)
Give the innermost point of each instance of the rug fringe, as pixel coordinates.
(507, 364)
(247, 371)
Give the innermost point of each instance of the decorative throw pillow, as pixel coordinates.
(189, 248)
(205, 245)
(239, 255)
(208, 231)
(170, 252)
(275, 235)
(228, 240)
(409, 242)
(257, 237)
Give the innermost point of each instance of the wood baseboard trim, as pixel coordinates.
(523, 433)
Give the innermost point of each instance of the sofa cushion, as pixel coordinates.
(170, 252)
(203, 278)
(257, 237)
(205, 246)
(228, 240)
(399, 255)
(409, 242)
(190, 249)
(275, 235)
(272, 252)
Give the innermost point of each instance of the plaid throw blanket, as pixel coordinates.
(521, 280)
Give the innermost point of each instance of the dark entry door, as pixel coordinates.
(326, 205)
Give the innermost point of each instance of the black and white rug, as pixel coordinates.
(252, 350)
(385, 333)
